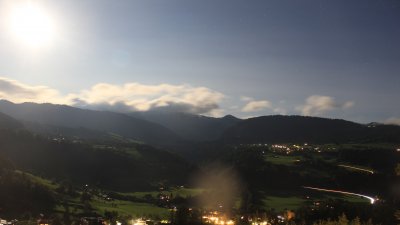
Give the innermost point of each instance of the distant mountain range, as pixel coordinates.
(172, 128)
(280, 129)
(188, 126)
(69, 117)
(156, 128)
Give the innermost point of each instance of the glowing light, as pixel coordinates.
(230, 222)
(140, 222)
(372, 200)
(357, 168)
(260, 223)
(31, 25)
(212, 219)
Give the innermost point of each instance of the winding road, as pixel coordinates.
(371, 199)
(357, 168)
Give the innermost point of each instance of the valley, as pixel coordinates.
(92, 173)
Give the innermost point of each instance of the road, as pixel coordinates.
(371, 199)
(357, 168)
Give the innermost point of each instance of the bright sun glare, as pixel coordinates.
(31, 25)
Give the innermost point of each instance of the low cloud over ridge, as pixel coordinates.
(130, 97)
(254, 106)
(18, 92)
(317, 105)
(121, 98)
(393, 121)
(140, 97)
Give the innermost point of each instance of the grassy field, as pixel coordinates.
(186, 192)
(286, 160)
(283, 203)
(183, 192)
(292, 201)
(123, 208)
(130, 208)
(357, 168)
(349, 198)
(126, 208)
(370, 145)
(39, 180)
(133, 152)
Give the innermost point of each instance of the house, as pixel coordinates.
(43, 222)
(5, 222)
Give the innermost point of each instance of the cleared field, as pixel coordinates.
(283, 159)
(355, 199)
(283, 203)
(183, 192)
(131, 208)
(39, 180)
(357, 168)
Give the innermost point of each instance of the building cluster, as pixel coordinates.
(289, 148)
(5, 222)
(217, 218)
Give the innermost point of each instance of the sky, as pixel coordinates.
(336, 59)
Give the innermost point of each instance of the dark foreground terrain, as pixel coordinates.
(66, 165)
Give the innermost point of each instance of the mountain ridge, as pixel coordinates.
(72, 117)
(190, 126)
(278, 128)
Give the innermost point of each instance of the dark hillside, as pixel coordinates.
(114, 167)
(7, 122)
(275, 129)
(70, 117)
(189, 126)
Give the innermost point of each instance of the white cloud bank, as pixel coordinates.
(317, 104)
(130, 97)
(18, 92)
(254, 106)
(393, 121)
(140, 97)
(122, 98)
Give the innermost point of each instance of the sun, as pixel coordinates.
(31, 25)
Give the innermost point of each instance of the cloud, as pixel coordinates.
(317, 105)
(280, 111)
(246, 99)
(140, 97)
(18, 92)
(393, 121)
(254, 106)
(121, 98)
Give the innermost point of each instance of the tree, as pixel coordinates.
(111, 216)
(397, 169)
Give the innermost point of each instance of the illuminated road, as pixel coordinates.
(372, 200)
(357, 168)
